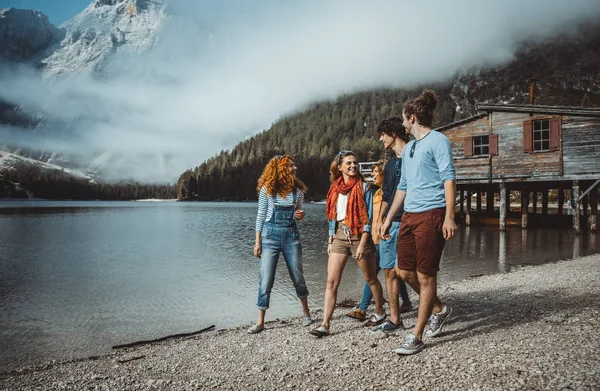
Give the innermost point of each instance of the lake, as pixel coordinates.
(79, 277)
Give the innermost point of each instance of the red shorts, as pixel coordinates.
(421, 241)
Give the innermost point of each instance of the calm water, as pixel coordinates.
(79, 277)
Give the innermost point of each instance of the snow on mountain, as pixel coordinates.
(103, 29)
(9, 160)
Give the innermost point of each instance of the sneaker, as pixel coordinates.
(406, 306)
(387, 327)
(436, 322)
(375, 320)
(320, 331)
(255, 329)
(411, 345)
(357, 314)
(307, 321)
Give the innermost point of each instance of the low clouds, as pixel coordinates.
(221, 73)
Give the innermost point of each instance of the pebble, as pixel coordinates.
(514, 331)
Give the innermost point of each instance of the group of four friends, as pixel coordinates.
(401, 228)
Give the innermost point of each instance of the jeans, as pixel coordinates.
(367, 295)
(277, 239)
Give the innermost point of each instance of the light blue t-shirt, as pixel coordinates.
(423, 175)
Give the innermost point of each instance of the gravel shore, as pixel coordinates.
(534, 328)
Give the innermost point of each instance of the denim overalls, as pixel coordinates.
(280, 234)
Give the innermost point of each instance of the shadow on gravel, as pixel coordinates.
(484, 312)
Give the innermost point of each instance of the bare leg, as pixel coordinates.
(261, 318)
(392, 284)
(335, 268)
(305, 306)
(411, 279)
(428, 301)
(368, 267)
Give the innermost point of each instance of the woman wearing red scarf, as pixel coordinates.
(350, 213)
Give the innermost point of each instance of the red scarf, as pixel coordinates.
(356, 209)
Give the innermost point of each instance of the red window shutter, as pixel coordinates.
(555, 125)
(493, 144)
(527, 136)
(469, 146)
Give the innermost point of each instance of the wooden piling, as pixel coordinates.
(489, 195)
(576, 204)
(468, 213)
(545, 202)
(502, 206)
(524, 208)
(561, 200)
(593, 219)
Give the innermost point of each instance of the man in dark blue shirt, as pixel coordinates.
(394, 137)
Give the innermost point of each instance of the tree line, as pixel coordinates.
(313, 137)
(59, 185)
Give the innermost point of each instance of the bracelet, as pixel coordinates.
(257, 245)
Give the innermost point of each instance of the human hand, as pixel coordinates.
(449, 228)
(384, 230)
(257, 250)
(360, 251)
(299, 215)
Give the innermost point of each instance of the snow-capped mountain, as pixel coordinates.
(103, 29)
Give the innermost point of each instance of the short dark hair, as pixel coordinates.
(393, 127)
(422, 108)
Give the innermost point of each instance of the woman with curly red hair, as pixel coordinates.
(350, 213)
(280, 202)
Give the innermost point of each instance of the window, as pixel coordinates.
(481, 145)
(541, 135)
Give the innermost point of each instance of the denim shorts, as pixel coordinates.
(388, 249)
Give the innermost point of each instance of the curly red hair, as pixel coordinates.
(277, 179)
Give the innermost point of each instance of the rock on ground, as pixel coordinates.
(532, 329)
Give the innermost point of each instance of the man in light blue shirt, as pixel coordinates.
(427, 190)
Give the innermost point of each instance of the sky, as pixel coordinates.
(58, 11)
(223, 71)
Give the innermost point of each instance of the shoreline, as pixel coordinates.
(532, 328)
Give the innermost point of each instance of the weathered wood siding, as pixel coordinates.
(512, 161)
(581, 145)
(469, 168)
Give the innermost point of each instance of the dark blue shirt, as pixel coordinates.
(391, 179)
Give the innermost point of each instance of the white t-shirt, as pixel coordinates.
(341, 206)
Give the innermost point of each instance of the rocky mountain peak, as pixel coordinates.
(24, 34)
(104, 29)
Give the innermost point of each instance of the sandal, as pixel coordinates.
(357, 314)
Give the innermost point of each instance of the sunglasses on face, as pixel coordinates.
(340, 154)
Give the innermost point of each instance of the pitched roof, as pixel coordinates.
(539, 109)
(460, 122)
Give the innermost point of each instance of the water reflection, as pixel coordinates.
(78, 277)
(502, 252)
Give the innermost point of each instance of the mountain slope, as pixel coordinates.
(567, 70)
(103, 29)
